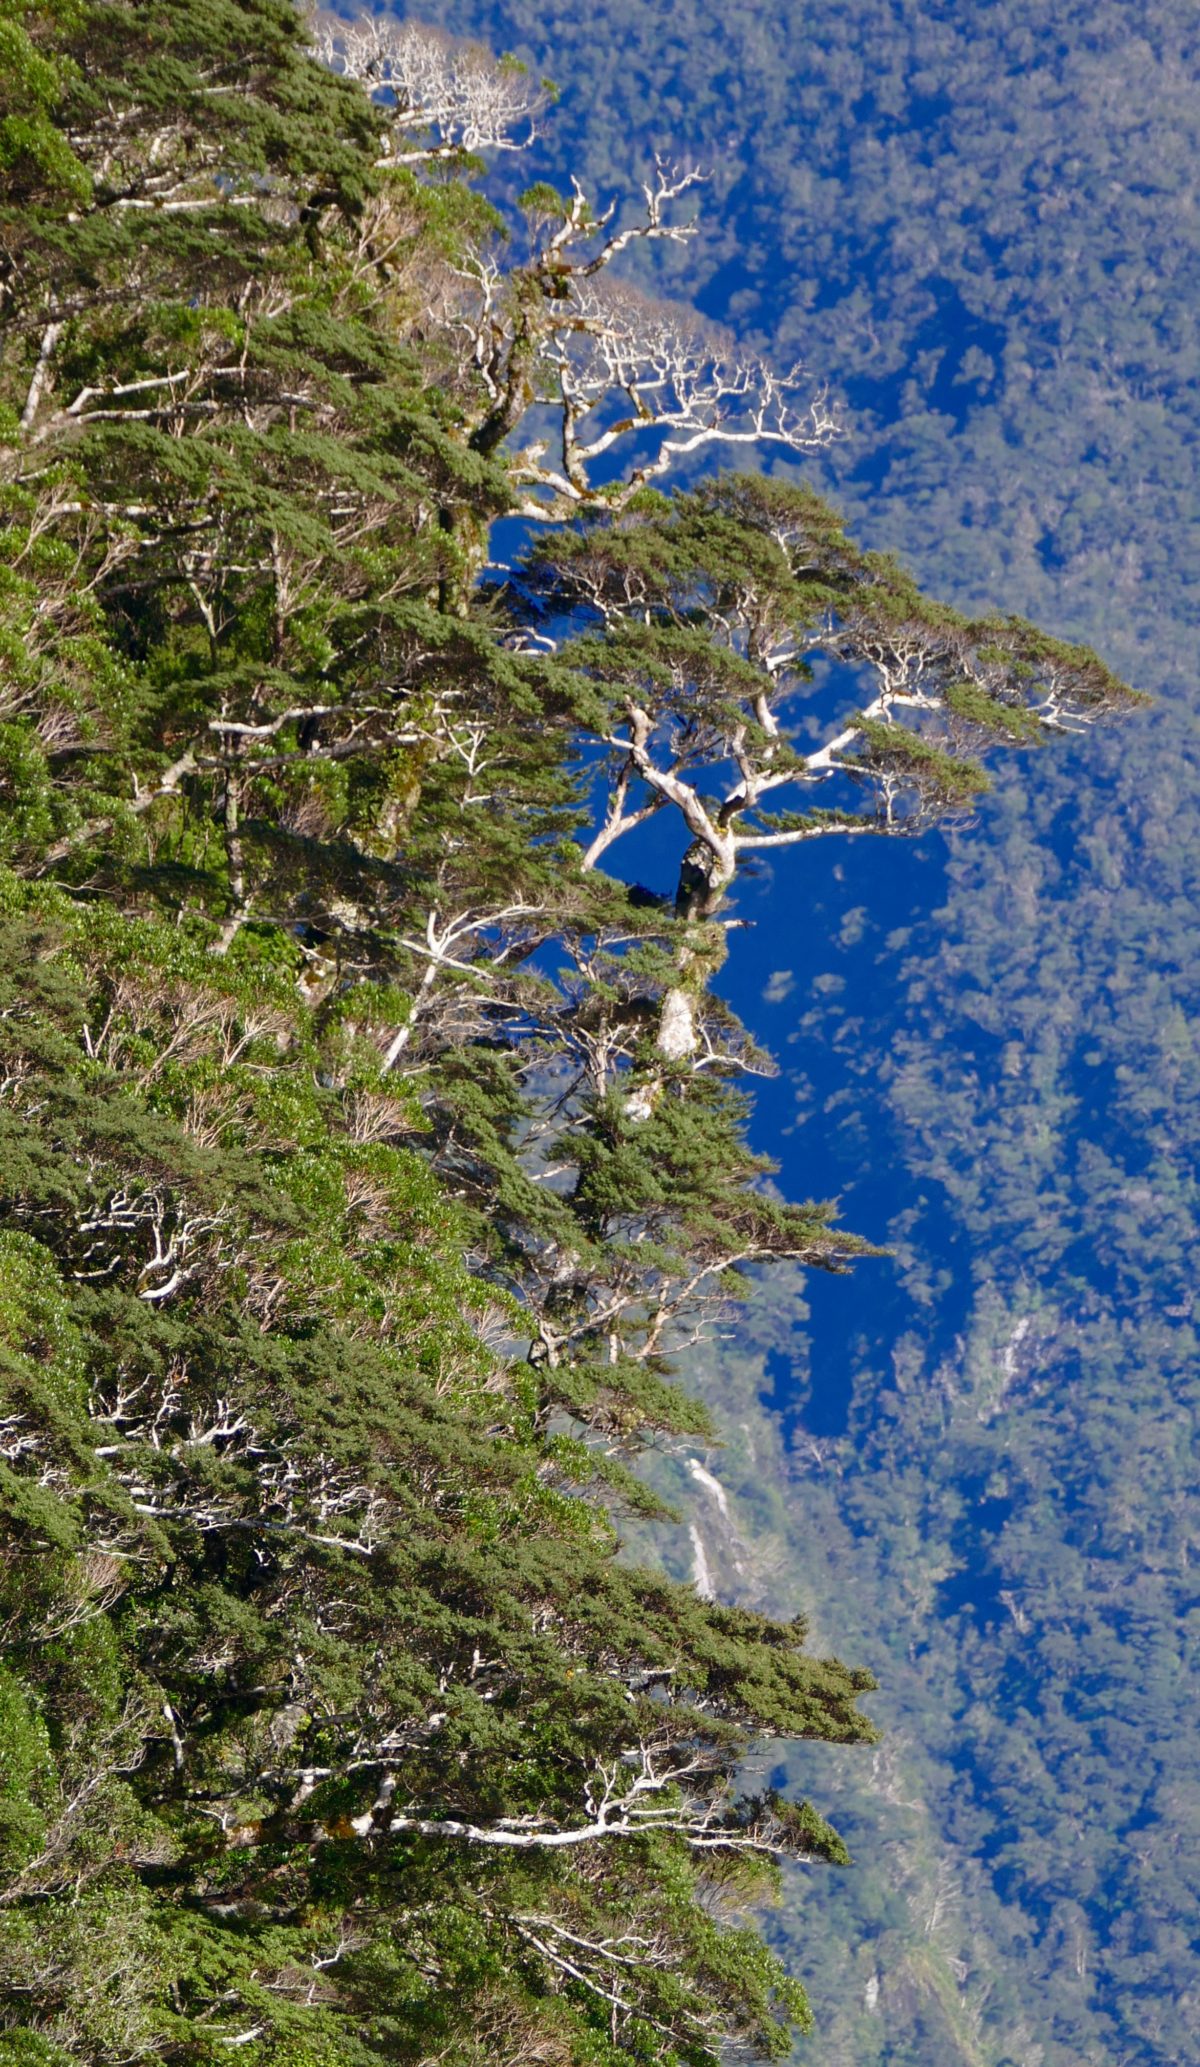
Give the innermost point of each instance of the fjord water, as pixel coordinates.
(973, 1465)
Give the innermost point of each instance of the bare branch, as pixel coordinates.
(41, 374)
(441, 98)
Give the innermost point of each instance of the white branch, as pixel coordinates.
(41, 374)
(440, 97)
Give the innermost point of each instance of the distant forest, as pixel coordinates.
(976, 224)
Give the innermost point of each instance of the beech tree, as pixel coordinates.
(709, 625)
(442, 100)
(616, 372)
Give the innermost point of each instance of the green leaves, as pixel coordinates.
(711, 623)
(33, 149)
(294, 1519)
(942, 781)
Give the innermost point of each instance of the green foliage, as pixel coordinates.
(34, 80)
(704, 625)
(319, 1402)
(944, 777)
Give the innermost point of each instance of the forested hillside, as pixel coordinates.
(374, 1158)
(978, 223)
